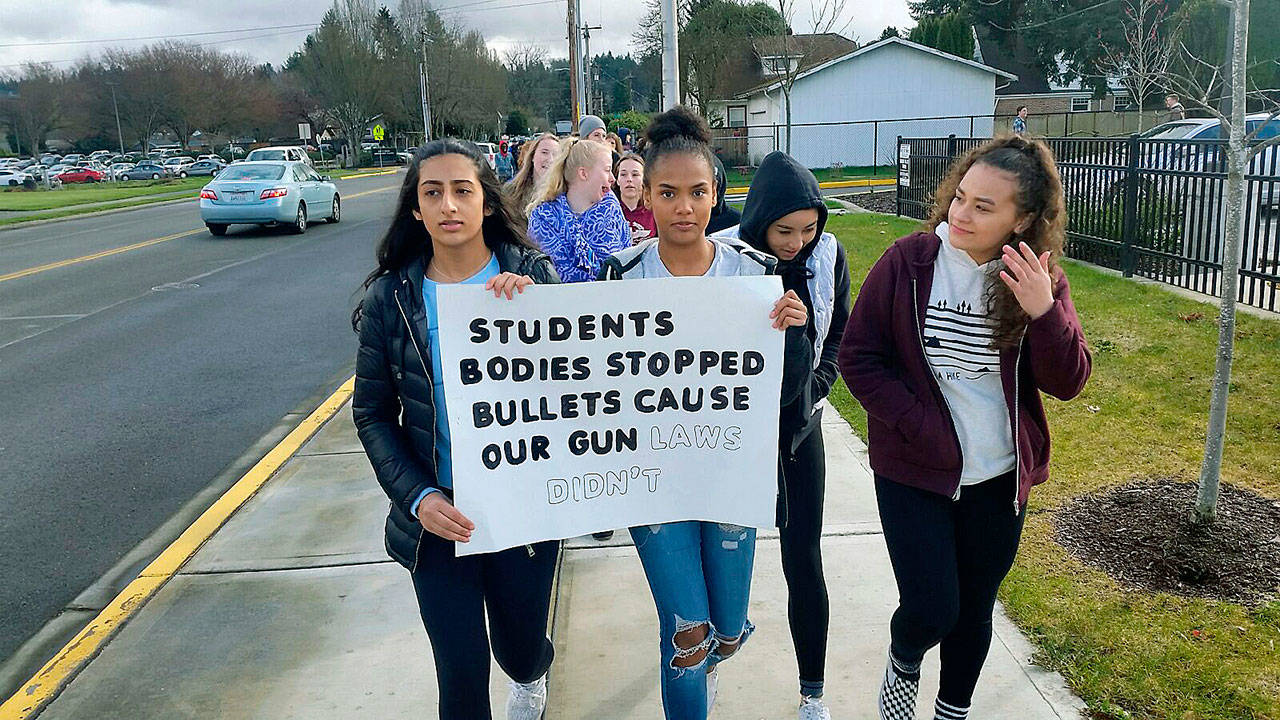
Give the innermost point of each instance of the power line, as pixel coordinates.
(203, 44)
(157, 37)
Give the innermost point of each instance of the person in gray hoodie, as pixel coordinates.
(785, 216)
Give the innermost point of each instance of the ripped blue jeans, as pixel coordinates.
(700, 576)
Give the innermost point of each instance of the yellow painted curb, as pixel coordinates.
(370, 174)
(830, 185)
(44, 686)
(95, 256)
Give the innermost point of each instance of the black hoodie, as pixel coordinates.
(782, 186)
(722, 216)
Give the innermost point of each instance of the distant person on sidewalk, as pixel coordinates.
(452, 225)
(722, 216)
(592, 128)
(699, 572)
(784, 216)
(537, 155)
(1020, 121)
(955, 333)
(503, 162)
(1173, 104)
(630, 189)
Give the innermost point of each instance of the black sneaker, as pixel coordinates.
(602, 536)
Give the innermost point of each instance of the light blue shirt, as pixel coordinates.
(444, 458)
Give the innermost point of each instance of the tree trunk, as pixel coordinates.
(786, 94)
(1237, 158)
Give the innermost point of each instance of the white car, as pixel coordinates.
(13, 178)
(280, 153)
(177, 165)
(116, 168)
(490, 153)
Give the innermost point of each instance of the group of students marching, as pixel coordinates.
(956, 331)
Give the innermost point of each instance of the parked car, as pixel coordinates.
(80, 174)
(386, 156)
(145, 171)
(114, 172)
(50, 159)
(203, 167)
(490, 153)
(178, 164)
(284, 153)
(10, 177)
(268, 193)
(208, 157)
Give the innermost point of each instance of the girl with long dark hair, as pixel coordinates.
(956, 332)
(452, 224)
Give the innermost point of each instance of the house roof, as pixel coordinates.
(745, 72)
(819, 67)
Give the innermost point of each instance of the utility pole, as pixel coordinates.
(114, 105)
(425, 89)
(670, 56)
(586, 39)
(575, 65)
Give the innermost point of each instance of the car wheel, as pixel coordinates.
(182, 174)
(336, 215)
(216, 229)
(155, 176)
(300, 222)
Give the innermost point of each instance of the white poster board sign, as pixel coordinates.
(587, 407)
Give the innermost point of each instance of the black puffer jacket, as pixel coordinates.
(393, 374)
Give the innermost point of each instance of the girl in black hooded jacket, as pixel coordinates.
(784, 216)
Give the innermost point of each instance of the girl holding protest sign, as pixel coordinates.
(577, 219)
(699, 572)
(784, 216)
(452, 225)
(955, 333)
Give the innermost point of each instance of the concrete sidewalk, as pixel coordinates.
(293, 611)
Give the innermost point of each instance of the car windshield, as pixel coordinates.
(253, 172)
(267, 155)
(1171, 131)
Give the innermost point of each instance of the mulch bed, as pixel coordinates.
(1141, 534)
(885, 202)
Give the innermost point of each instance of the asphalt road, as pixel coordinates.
(130, 381)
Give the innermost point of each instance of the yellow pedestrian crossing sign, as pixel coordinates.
(378, 133)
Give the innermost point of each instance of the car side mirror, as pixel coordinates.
(326, 178)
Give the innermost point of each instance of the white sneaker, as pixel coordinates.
(812, 708)
(527, 700)
(713, 682)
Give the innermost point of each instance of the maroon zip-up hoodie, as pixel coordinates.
(911, 436)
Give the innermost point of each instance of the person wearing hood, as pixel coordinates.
(723, 217)
(785, 216)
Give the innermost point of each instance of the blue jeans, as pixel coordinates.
(700, 576)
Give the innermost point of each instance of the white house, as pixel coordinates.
(893, 81)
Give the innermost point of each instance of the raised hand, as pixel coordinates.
(1028, 277)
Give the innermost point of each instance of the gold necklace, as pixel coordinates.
(441, 277)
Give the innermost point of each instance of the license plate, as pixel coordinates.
(240, 196)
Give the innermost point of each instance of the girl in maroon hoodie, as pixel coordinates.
(954, 335)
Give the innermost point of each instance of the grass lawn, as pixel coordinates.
(1129, 653)
(737, 179)
(92, 193)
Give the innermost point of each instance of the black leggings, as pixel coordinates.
(805, 476)
(453, 595)
(949, 558)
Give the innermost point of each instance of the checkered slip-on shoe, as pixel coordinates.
(898, 694)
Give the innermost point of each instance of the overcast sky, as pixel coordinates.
(28, 30)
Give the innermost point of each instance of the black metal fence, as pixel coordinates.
(1151, 208)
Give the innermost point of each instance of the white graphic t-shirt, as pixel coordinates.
(957, 344)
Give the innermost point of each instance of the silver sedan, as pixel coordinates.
(268, 193)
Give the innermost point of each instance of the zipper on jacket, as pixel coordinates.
(1017, 420)
(427, 373)
(915, 308)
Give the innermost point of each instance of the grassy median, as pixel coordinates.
(69, 195)
(741, 179)
(1130, 653)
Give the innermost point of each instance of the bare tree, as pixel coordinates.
(1150, 43)
(1206, 85)
(824, 14)
(37, 108)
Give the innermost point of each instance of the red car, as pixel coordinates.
(80, 175)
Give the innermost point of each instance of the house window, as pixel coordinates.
(1124, 103)
(1080, 104)
(737, 116)
(776, 65)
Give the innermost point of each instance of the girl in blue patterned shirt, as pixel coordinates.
(577, 219)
